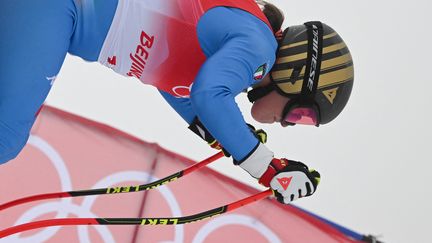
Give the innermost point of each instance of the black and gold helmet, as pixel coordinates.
(314, 68)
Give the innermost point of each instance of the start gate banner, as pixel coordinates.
(66, 152)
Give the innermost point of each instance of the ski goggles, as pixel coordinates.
(295, 112)
(300, 114)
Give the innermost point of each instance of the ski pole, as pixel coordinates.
(136, 221)
(113, 190)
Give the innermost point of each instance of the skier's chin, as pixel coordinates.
(262, 120)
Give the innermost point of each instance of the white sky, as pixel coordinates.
(374, 158)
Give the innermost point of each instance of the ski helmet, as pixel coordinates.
(313, 68)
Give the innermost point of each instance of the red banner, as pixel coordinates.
(66, 152)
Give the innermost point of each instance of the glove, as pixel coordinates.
(199, 129)
(290, 180)
(260, 134)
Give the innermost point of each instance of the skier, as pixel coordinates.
(200, 54)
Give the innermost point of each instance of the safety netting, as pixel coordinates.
(66, 152)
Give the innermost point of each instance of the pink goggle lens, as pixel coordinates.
(301, 115)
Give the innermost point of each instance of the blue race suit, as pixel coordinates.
(36, 35)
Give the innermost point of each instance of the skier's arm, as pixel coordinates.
(224, 75)
(212, 99)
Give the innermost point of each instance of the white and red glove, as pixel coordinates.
(289, 180)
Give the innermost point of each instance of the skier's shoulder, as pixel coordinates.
(257, 36)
